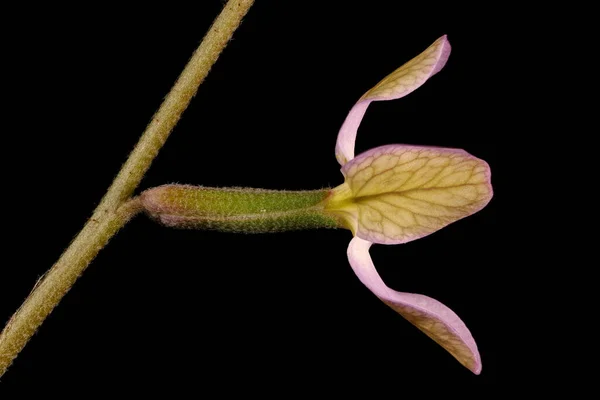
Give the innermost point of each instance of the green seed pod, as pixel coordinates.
(237, 209)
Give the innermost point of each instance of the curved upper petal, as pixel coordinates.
(398, 84)
(432, 317)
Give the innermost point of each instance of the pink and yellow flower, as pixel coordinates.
(399, 193)
(392, 194)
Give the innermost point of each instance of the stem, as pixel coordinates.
(175, 103)
(116, 208)
(50, 289)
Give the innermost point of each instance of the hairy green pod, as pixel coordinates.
(245, 210)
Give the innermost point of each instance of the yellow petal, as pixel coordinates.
(399, 193)
(429, 315)
(398, 84)
(412, 74)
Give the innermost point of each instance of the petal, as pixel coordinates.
(432, 317)
(399, 193)
(398, 84)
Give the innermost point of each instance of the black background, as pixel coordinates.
(201, 311)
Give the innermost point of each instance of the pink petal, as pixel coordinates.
(432, 317)
(398, 84)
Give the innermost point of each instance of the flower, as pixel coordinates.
(392, 194)
(399, 193)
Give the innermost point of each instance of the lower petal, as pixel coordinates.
(432, 317)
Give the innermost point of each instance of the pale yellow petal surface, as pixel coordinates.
(412, 74)
(397, 193)
(399, 83)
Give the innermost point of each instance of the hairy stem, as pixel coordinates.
(116, 208)
(175, 103)
(50, 289)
